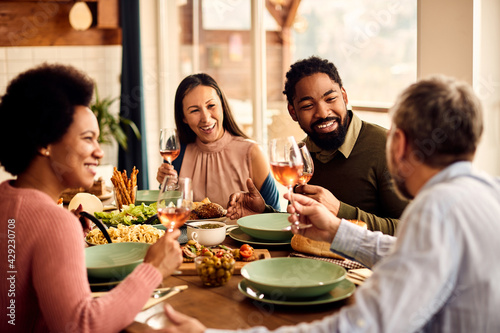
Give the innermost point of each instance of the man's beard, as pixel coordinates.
(399, 180)
(332, 140)
(401, 189)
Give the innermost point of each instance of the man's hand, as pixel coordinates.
(325, 224)
(321, 195)
(165, 169)
(166, 253)
(245, 203)
(180, 323)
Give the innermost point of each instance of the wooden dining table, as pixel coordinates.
(225, 307)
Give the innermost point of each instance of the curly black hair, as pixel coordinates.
(37, 109)
(307, 67)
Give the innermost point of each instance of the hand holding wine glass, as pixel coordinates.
(286, 165)
(175, 202)
(170, 146)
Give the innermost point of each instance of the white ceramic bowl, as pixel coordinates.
(206, 237)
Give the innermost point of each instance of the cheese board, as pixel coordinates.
(189, 268)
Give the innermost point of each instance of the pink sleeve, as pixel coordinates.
(63, 291)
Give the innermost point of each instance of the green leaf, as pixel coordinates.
(110, 125)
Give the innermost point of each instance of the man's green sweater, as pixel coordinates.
(357, 175)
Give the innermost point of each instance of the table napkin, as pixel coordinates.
(346, 263)
(359, 275)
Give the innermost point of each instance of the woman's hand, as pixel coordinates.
(245, 203)
(166, 253)
(180, 323)
(165, 169)
(325, 224)
(86, 223)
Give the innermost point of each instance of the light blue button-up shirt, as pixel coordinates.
(441, 273)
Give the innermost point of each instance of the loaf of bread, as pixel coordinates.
(209, 211)
(309, 246)
(317, 248)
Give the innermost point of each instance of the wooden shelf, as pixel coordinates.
(46, 23)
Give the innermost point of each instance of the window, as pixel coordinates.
(372, 43)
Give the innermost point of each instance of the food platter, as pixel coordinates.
(189, 268)
(342, 291)
(238, 235)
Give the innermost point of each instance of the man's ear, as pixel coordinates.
(344, 95)
(292, 113)
(399, 145)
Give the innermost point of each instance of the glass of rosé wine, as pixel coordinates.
(170, 146)
(175, 202)
(308, 169)
(287, 166)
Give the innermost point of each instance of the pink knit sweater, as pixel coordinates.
(46, 288)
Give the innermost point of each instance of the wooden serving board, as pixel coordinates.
(189, 268)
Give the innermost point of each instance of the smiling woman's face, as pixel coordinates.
(203, 113)
(75, 157)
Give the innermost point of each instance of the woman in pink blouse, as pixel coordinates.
(50, 143)
(215, 152)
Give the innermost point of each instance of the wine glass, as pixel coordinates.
(170, 146)
(175, 202)
(287, 166)
(308, 170)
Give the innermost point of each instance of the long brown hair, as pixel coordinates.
(186, 134)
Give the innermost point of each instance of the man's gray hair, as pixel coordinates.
(442, 119)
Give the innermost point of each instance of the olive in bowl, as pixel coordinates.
(214, 271)
(207, 233)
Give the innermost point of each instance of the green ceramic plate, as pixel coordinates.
(102, 284)
(342, 290)
(266, 226)
(114, 261)
(146, 196)
(293, 278)
(242, 237)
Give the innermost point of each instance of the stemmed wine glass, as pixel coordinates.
(170, 146)
(287, 166)
(308, 170)
(175, 202)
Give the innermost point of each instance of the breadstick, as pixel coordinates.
(133, 178)
(122, 188)
(117, 192)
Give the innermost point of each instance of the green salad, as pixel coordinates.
(130, 214)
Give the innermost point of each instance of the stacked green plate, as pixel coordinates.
(266, 226)
(293, 278)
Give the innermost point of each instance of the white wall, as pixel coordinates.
(460, 38)
(487, 81)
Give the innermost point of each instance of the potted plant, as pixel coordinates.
(110, 125)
